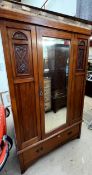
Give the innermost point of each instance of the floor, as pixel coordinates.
(54, 120)
(73, 158)
(87, 114)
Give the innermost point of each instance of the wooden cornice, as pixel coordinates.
(28, 18)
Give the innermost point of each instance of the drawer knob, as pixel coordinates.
(70, 132)
(37, 150)
(41, 149)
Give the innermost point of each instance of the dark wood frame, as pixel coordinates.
(81, 74)
(41, 32)
(20, 80)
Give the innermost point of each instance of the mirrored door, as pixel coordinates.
(54, 73)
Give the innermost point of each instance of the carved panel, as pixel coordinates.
(80, 58)
(81, 43)
(19, 36)
(21, 58)
(81, 55)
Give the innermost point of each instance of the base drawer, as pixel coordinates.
(69, 134)
(46, 145)
(72, 132)
(32, 154)
(60, 139)
(50, 144)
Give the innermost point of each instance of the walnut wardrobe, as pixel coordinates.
(46, 69)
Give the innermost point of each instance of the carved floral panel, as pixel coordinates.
(81, 55)
(21, 58)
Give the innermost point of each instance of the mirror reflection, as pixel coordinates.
(56, 68)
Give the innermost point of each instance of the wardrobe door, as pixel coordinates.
(54, 60)
(79, 76)
(23, 80)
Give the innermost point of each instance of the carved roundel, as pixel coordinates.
(19, 36)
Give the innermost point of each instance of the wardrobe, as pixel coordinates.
(46, 69)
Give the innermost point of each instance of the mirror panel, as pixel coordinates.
(55, 74)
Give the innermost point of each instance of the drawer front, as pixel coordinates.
(47, 86)
(60, 139)
(47, 106)
(47, 98)
(50, 144)
(72, 132)
(47, 91)
(32, 154)
(47, 145)
(47, 82)
(69, 134)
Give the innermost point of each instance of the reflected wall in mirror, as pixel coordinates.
(55, 74)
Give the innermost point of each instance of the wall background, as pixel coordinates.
(3, 75)
(65, 6)
(84, 9)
